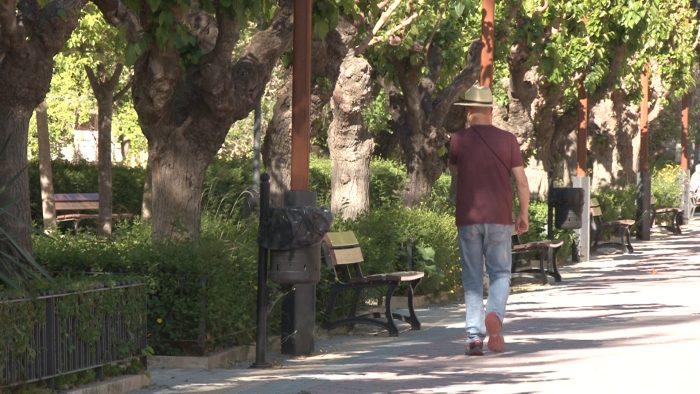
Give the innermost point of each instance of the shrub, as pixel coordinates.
(188, 281)
(667, 186)
(384, 234)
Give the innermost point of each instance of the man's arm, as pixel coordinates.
(522, 222)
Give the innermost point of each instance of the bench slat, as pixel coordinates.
(343, 239)
(77, 197)
(348, 256)
(76, 205)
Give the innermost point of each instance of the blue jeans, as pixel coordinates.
(490, 243)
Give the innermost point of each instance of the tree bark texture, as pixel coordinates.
(349, 141)
(30, 36)
(15, 216)
(424, 138)
(185, 114)
(48, 203)
(104, 87)
(147, 201)
(328, 54)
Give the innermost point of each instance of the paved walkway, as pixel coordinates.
(619, 323)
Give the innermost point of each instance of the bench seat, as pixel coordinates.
(620, 226)
(344, 257)
(546, 252)
(673, 219)
(80, 206)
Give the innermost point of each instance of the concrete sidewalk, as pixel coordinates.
(619, 323)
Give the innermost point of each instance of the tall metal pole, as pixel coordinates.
(582, 250)
(487, 38)
(299, 305)
(685, 165)
(263, 253)
(644, 198)
(301, 95)
(582, 136)
(256, 147)
(684, 133)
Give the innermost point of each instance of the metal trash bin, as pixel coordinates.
(293, 236)
(568, 207)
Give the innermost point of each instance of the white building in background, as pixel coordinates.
(84, 147)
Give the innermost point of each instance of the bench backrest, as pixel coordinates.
(596, 210)
(77, 201)
(343, 249)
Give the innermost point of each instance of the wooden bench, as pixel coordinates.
(545, 251)
(79, 207)
(669, 218)
(599, 226)
(343, 254)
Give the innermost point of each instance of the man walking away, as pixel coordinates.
(485, 159)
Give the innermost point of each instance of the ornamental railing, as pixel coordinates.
(56, 334)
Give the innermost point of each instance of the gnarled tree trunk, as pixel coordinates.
(185, 115)
(349, 142)
(30, 37)
(423, 137)
(327, 56)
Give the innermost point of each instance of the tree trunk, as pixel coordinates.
(177, 178)
(103, 87)
(277, 144)
(328, 54)
(48, 203)
(185, 114)
(424, 138)
(104, 160)
(28, 43)
(349, 142)
(147, 201)
(15, 216)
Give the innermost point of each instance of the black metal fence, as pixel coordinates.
(71, 332)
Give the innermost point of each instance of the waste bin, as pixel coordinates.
(568, 207)
(293, 236)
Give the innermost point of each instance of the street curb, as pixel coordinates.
(116, 385)
(223, 359)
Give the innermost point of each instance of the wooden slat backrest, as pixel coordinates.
(595, 208)
(343, 248)
(76, 201)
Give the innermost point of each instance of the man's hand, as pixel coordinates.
(521, 224)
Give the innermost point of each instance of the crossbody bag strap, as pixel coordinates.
(492, 151)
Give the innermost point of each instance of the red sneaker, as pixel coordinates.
(496, 342)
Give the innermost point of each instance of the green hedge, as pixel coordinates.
(213, 278)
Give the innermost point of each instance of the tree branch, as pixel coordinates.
(396, 28)
(114, 80)
(429, 43)
(250, 73)
(10, 36)
(360, 48)
(227, 37)
(459, 85)
(94, 83)
(119, 15)
(541, 8)
(118, 95)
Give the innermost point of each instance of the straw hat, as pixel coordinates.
(477, 96)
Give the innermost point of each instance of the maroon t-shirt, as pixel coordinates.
(484, 188)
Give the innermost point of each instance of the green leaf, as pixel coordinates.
(154, 4)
